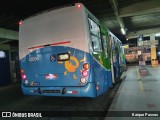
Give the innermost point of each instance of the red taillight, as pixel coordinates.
(22, 71)
(24, 76)
(84, 73)
(20, 22)
(74, 92)
(79, 5)
(97, 87)
(86, 66)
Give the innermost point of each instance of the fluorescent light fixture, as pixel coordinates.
(123, 31)
(157, 34)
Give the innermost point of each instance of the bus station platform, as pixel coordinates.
(138, 96)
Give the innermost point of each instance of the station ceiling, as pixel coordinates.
(137, 17)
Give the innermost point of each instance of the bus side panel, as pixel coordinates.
(89, 90)
(117, 67)
(123, 61)
(109, 79)
(100, 77)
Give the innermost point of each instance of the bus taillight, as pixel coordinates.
(84, 73)
(86, 66)
(22, 71)
(83, 80)
(97, 87)
(20, 23)
(24, 77)
(78, 5)
(74, 92)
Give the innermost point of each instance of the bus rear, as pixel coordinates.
(54, 54)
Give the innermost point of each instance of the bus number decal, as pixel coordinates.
(33, 59)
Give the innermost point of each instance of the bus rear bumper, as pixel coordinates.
(83, 91)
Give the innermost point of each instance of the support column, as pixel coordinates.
(154, 61)
(153, 48)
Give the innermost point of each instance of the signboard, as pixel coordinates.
(148, 43)
(153, 42)
(125, 46)
(140, 43)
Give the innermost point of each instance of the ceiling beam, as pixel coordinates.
(145, 32)
(106, 16)
(4, 47)
(140, 8)
(8, 34)
(5, 41)
(139, 28)
(114, 4)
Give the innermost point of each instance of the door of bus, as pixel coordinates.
(111, 59)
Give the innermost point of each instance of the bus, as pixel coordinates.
(131, 54)
(135, 54)
(68, 52)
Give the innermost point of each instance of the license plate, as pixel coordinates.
(51, 76)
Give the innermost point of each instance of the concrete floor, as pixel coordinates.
(137, 93)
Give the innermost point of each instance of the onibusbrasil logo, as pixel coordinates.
(18, 114)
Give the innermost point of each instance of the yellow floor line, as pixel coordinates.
(140, 82)
(141, 86)
(138, 75)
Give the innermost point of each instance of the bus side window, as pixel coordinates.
(96, 44)
(105, 46)
(95, 36)
(90, 25)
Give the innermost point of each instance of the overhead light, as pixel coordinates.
(123, 31)
(2, 54)
(158, 34)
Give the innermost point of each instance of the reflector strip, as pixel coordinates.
(72, 92)
(33, 91)
(41, 46)
(58, 43)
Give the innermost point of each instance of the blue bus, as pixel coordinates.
(68, 52)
